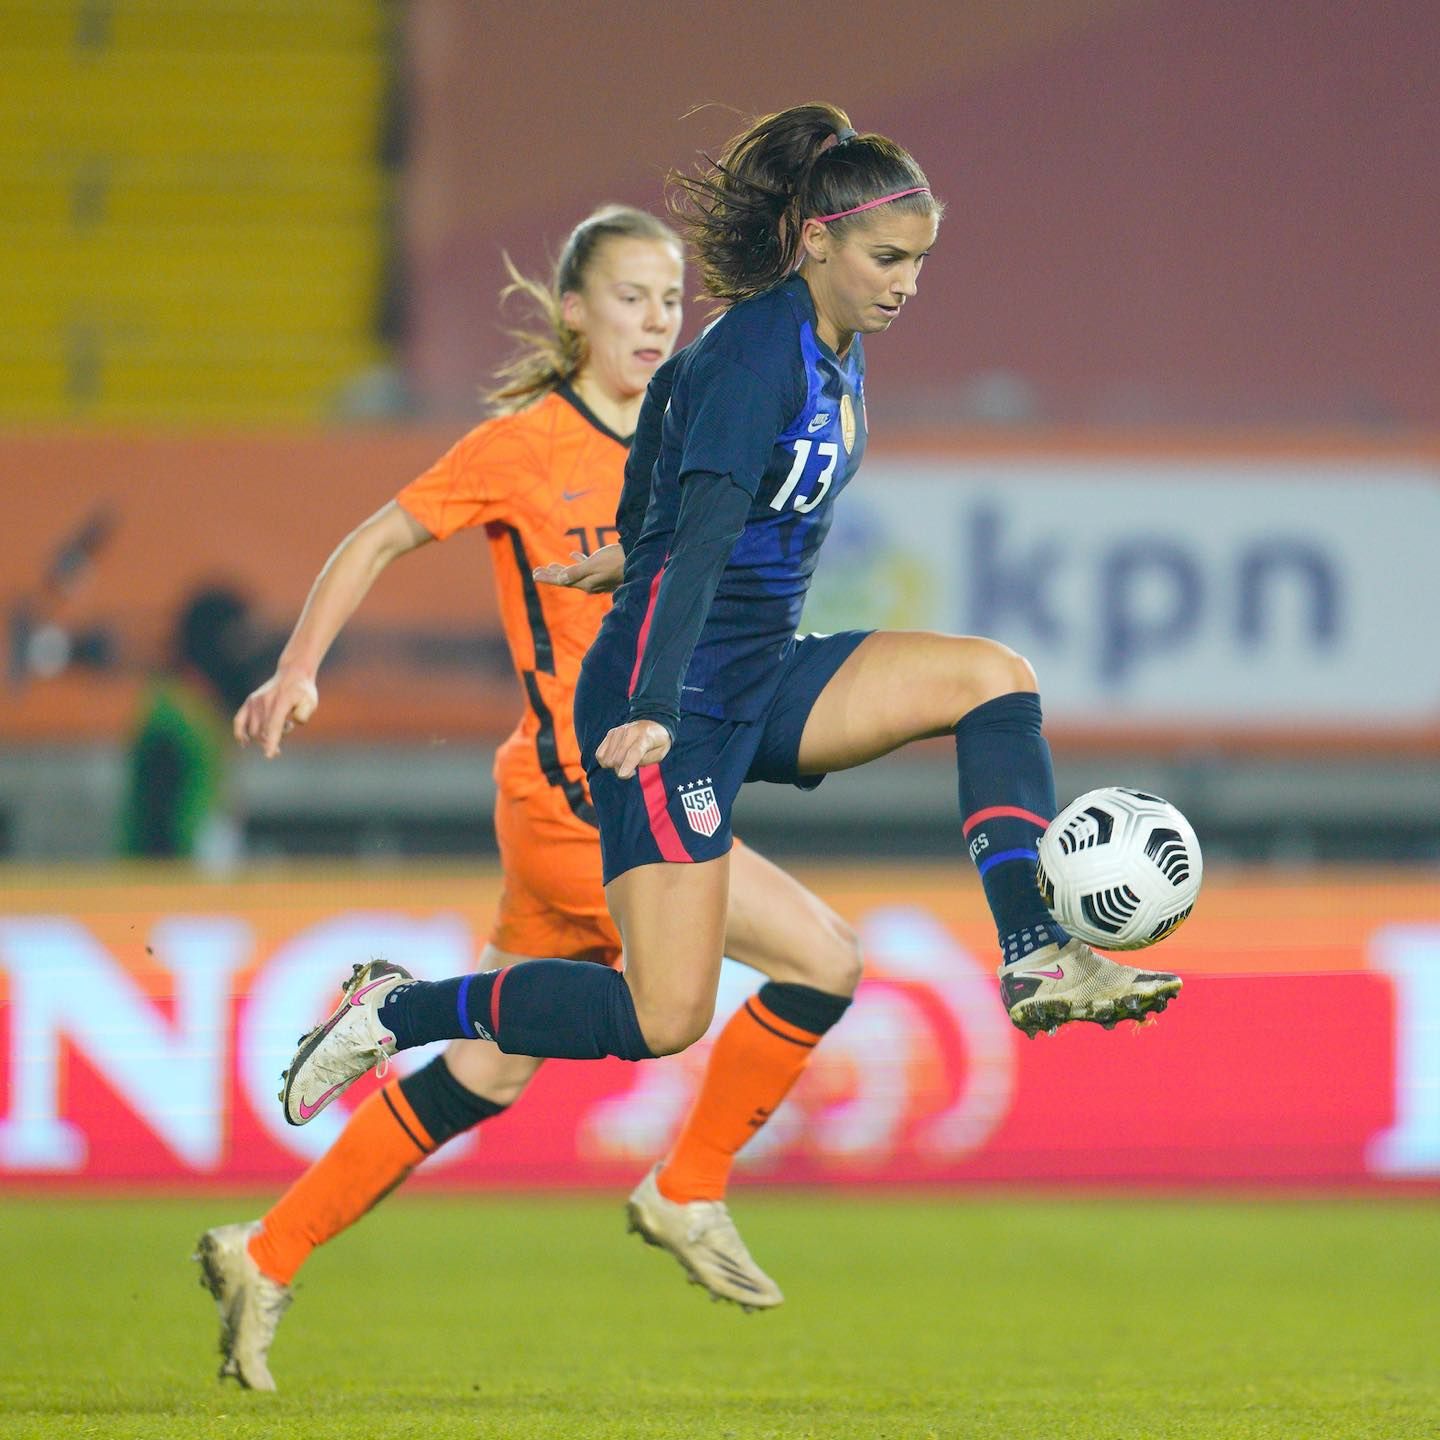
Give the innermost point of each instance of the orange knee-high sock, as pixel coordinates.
(377, 1149)
(756, 1059)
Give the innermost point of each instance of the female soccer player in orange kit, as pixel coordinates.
(550, 463)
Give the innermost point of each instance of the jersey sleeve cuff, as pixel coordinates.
(670, 719)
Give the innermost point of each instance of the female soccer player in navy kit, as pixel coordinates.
(697, 682)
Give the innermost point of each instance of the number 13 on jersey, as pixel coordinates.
(829, 453)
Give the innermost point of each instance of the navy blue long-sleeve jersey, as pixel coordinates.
(745, 439)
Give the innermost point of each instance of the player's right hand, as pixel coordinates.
(627, 747)
(595, 574)
(287, 699)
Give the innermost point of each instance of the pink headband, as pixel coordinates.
(871, 204)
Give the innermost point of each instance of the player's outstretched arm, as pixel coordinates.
(595, 574)
(290, 697)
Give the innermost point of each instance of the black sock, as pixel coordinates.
(444, 1106)
(802, 1006)
(1007, 798)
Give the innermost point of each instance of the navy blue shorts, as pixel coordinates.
(679, 810)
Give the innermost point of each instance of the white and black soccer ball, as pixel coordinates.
(1119, 869)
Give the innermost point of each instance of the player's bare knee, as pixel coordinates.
(502, 1090)
(669, 1031)
(995, 670)
(1022, 674)
(838, 961)
(485, 1071)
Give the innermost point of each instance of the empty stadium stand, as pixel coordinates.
(192, 204)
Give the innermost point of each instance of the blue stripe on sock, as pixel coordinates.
(990, 862)
(461, 995)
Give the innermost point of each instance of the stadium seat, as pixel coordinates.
(193, 203)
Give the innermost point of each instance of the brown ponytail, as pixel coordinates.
(743, 211)
(552, 356)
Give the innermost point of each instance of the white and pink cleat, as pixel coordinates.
(337, 1053)
(1058, 984)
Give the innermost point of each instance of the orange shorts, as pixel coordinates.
(552, 903)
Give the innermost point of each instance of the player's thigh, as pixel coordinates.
(672, 921)
(552, 900)
(483, 1068)
(903, 685)
(665, 841)
(778, 927)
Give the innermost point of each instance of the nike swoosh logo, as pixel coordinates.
(306, 1111)
(819, 423)
(1056, 974)
(574, 494)
(360, 994)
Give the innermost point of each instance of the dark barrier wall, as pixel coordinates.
(1159, 211)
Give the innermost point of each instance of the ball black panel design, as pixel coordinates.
(1167, 850)
(1167, 925)
(1110, 910)
(1090, 828)
(1046, 884)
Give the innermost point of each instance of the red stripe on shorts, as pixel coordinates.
(662, 827)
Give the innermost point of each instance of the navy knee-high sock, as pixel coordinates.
(561, 1009)
(1007, 797)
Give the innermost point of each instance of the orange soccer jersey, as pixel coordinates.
(543, 482)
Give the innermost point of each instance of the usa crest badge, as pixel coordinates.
(847, 422)
(702, 812)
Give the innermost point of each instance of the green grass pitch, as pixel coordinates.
(966, 1316)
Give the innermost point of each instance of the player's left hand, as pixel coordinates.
(595, 574)
(638, 742)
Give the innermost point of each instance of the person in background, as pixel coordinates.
(175, 804)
